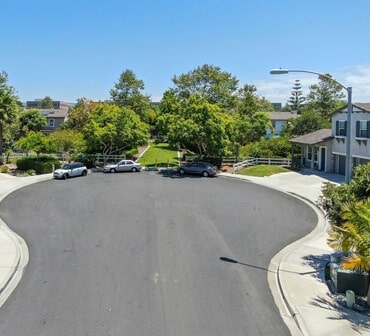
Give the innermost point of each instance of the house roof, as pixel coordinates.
(314, 137)
(284, 116)
(362, 106)
(57, 113)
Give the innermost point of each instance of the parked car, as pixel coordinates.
(70, 170)
(122, 166)
(201, 168)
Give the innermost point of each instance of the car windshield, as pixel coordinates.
(66, 166)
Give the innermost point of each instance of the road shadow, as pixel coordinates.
(233, 261)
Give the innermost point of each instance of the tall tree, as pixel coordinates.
(325, 97)
(196, 125)
(127, 92)
(46, 103)
(210, 83)
(296, 99)
(31, 120)
(249, 102)
(79, 115)
(9, 106)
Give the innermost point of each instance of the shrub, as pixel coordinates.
(4, 169)
(41, 164)
(274, 148)
(130, 154)
(334, 196)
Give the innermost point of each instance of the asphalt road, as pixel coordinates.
(147, 254)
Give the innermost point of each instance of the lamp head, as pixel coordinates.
(279, 71)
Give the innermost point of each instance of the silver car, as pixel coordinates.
(201, 168)
(123, 166)
(70, 170)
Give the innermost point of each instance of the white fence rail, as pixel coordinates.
(257, 161)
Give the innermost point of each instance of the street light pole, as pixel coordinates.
(348, 174)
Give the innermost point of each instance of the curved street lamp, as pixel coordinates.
(281, 71)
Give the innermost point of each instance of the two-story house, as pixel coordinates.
(326, 149)
(278, 122)
(55, 116)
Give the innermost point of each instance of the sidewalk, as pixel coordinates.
(296, 274)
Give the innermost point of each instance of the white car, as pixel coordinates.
(123, 166)
(70, 170)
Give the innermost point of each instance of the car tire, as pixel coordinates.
(134, 170)
(182, 171)
(65, 176)
(205, 174)
(84, 173)
(112, 170)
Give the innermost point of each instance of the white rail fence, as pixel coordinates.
(256, 161)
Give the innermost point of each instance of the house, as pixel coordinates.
(55, 116)
(326, 149)
(278, 121)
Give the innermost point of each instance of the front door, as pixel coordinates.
(322, 158)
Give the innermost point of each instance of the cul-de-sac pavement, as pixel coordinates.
(158, 254)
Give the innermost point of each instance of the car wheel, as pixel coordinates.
(112, 170)
(182, 171)
(205, 174)
(65, 176)
(134, 170)
(84, 173)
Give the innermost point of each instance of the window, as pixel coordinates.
(309, 153)
(341, 128)
(51, 122)
(363, 129)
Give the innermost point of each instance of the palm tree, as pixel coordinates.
(353, 237)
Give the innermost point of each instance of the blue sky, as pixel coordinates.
(72, 49)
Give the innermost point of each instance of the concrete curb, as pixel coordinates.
(17, 254)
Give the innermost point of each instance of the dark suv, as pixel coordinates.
(70, 170)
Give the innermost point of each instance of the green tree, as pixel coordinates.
(197, 125)
(31, 120)
(112, 129)
(79, 115)
(325, 97)
(36, 142)
(249, 102)
(9, 106)
(68, 142)
(296, 100)
(46, 103)
(127, 92)
(307, 122)
(353, 237)
(210, 83)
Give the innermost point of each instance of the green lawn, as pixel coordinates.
(159, 155)
(263, 170)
